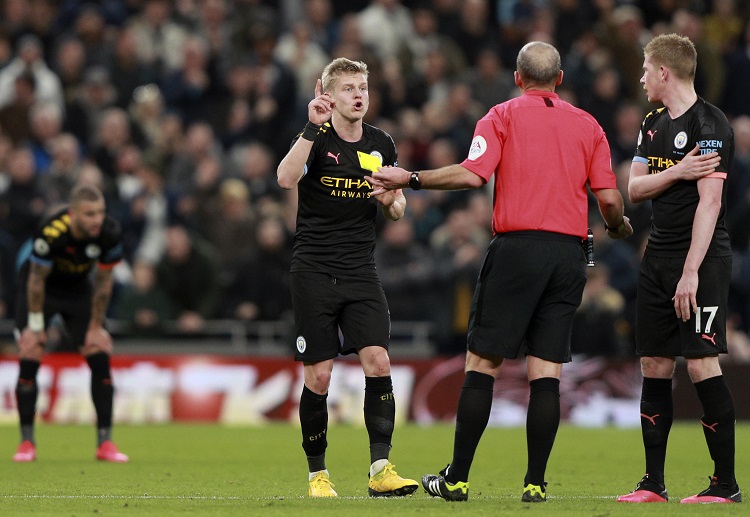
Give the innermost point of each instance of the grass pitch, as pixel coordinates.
(215, 470)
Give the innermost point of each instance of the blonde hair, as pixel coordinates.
(675, 52)
(339, 67)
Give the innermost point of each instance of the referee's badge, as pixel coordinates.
(680, 140)
(301, 344)
(478, 147)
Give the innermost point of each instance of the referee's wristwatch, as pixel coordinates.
(414, 182)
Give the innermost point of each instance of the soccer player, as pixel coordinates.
(56, 280)
(334, 284)
(684, 154)
(544, 153)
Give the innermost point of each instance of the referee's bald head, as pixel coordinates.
(538, 63)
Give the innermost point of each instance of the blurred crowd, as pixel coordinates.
(181, 109)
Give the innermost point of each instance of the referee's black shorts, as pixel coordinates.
(529, 288)
(324, 303)
(659, 332)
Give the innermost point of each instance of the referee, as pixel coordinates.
(543, 153)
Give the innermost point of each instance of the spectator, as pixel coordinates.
(189, 274)
(262, 296)
(200, 143)
(70, 64)
(230, 226)
(710, 72)
(29, 58)
(159, 39)
(490, 83)
(142, 304)
(386, 26)
(255, 166)
(90, 28)
(599, 325)
(407, 272)
(193, 89)
(112, 137)
(46, 124)
(21, 203)
(738, 189)
(297, 50)
(324, 27)
(15, 116)
(64, 170)
(127, 71)
(85, 111)
(738, 77)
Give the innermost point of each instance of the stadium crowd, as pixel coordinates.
(181, 110)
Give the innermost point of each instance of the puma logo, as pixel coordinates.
(334, 156)
(711, 338)
(652, 134)
(712, 426)
(651, 419)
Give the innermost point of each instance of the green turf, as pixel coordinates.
(212, 470)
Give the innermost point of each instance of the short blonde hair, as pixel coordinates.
(675, 52)
(339, 67)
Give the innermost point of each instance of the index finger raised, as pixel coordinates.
(318, 88)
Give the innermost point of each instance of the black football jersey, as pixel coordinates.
(663, 142)
(71, 260)
(336, 216)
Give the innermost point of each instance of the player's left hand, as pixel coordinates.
(685, 296)
(97, 340)
(386, 197)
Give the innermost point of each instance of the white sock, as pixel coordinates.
(313, 474)
(378, 466)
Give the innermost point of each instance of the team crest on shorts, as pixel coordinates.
(301, 344)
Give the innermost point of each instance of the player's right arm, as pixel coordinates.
(643, 186)
(33, 337)
(292, 166)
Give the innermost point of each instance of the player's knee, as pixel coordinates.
(319, 381)
(97, 348)
(29, 350)
(657, 367)
(375, 361)
(703, 368)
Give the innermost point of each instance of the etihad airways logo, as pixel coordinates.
(347, 187)
(657, 164)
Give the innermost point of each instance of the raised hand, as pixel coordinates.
(319, 109)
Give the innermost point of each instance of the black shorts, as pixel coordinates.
(529, 288)
(74, 309)
(659, 332)
(323, 304)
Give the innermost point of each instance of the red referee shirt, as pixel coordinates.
(543, 152)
